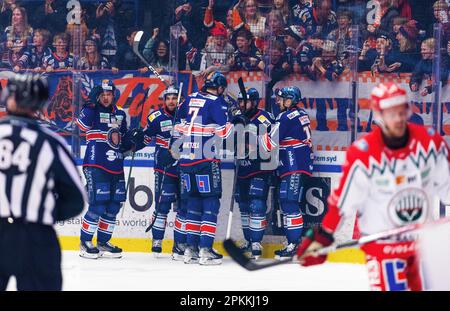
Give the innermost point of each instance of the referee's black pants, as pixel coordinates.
(31, 253)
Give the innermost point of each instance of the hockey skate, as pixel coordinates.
(156, 248)
(178, 251)
(190, 255)
(107, 250)
(256, 250)
(288, 251)
(246, 248)
(208, 256)
(88, 250)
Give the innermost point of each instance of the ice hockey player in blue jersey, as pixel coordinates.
(254, 179)
(107, 138)
(203, 121)
(159, 129)
(293, 133)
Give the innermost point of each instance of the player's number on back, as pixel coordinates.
(194, 112)
(19, 157)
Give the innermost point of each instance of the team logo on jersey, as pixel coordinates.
(197, 102)
(408, 206)
(111, 155)
(362, 145)
(114, 138)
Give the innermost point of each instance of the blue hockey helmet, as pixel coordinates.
(107, 85)
(293, 93)
(215, 80)
(171, 90)
(252, 94)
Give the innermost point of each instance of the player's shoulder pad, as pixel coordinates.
(292, 114)
(154, 115)
(264, 118)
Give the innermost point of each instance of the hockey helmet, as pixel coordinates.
(215, 80)
(30, 91)
(108, 85)
(252, 94)
(171, 90)
(387, 95)
(293, 93)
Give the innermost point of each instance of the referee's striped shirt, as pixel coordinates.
(39, 181)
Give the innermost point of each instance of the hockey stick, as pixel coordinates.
(237, 255)
(150, 226)
(230, 215)
(136, 41)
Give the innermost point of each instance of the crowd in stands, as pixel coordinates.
(280, 37)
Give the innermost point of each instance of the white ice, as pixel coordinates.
(143, 272)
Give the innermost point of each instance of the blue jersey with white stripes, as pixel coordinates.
(159, 129)
(259, 124)
(202, 117)
(104, 127)
(294, 141)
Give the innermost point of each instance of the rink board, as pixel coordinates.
(135, 215)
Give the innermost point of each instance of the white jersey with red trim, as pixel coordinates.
(391, 188)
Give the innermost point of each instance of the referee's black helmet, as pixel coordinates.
(30, 91)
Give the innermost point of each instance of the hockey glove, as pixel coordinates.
(165, 158)
(314, 239)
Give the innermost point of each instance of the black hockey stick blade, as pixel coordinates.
(242, 90)
(238, 256)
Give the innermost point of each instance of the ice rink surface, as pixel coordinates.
(143, 272)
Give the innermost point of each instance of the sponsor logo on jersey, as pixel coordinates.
(166, 125)
(399, 180)
(293, 114)
(425, 173)
(264, 120)
(197, 102)
(431, 131)
(99, 191)
(154, 115)
(111, 155)
(382, 182)
(304, 120)
(408, 206)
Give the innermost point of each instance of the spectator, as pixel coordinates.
(274, 25)
(368, 53)
(318, 19)
(407, 39)
(383, 18)
(278, 64)
(358, 9)
(403, 8)
(248, 10)
(293, 37)
(327, 65)
(6, 8)
(156, 51)
(51, 15)
(218, 52)
(192, 18)
(342, 35)
(440, 11)
(309, 50)
(10, 58)
(78, 32)
(297, 9)
(424, 69)
(397, 22)
(126, 58)
(92, 59)
(247, 57)
(19, 33)
(60, 59)
(283, 7)
(112, 21)
(385, 57)
(34, 56)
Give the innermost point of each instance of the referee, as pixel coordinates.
(39, 185)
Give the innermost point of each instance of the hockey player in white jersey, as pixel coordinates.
(390, 177)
